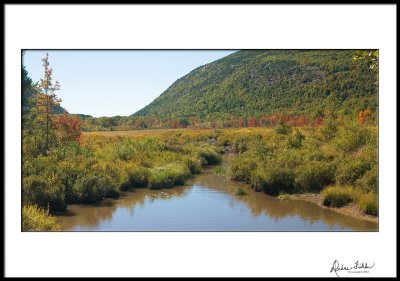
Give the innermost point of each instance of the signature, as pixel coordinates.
(336, 267)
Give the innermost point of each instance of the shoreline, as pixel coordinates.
(348, 210)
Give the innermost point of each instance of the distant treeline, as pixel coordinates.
(123, 123)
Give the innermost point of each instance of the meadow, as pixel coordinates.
(336, 160)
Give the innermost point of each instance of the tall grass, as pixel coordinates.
(368, 203)
(338, 196)
(36, 219)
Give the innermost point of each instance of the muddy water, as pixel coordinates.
(207, 203)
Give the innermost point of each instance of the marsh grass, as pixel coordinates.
(368, 203)
(102, 165)
(37, 219)
(339, 196)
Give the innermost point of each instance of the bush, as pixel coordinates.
(123, 152)
(36, 219)
(329, 130)
(279, 180)
(273, 180)
(351, 170)
(315, 176)
(159, 179)
(210, 156)
(368, 203)
(69, 174)
(338, 196)
(242, 167)
(369, 181)
(111, 189)
(90, 189)
(124, 186)
(167, 176)
(258, 180)
(241, 143)
(282, 129)
(138, 177)
(46, 193)
(296, 141)
(178, 173)
(194, 165)
(352, 137)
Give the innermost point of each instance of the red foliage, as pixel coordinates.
(251, 122)
(68, 128)
(319, 121)
(363, 114)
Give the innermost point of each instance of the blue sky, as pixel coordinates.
(109, 83)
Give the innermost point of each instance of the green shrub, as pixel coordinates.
(159, 179)
(352, 137)
(178, 173)
(111, 189)
(279, 179)
(210, 156)
(258, 180)
(125, 185)
(123, 152)
(368, 203)
(69, 174)
(242, 167)
(351, 170)
(273, 180)
(45, 192)
(117, 177)
(241, 143)
(329, 130)
(169, 175)
(138, 177)
(36, 219)
(369, 181)
(315, 176)
(194, 165)
(90, 189)
(296, 141)
(282, 129)
(338, 196)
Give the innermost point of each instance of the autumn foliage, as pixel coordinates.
(68, 128)
(363, 115)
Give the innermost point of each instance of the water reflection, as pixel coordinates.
(208, 203)
(88, 217)
(262, 204)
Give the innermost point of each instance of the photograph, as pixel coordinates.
(200, 140)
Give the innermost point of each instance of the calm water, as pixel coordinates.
(207, 203)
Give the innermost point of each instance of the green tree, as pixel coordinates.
(370, 56)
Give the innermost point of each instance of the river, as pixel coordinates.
(207, 203)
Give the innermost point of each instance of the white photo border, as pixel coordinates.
(217, 254)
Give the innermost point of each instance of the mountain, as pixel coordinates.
(257, 82)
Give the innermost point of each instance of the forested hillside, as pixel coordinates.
(258, 82)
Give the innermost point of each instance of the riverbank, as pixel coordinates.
(351, 209)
